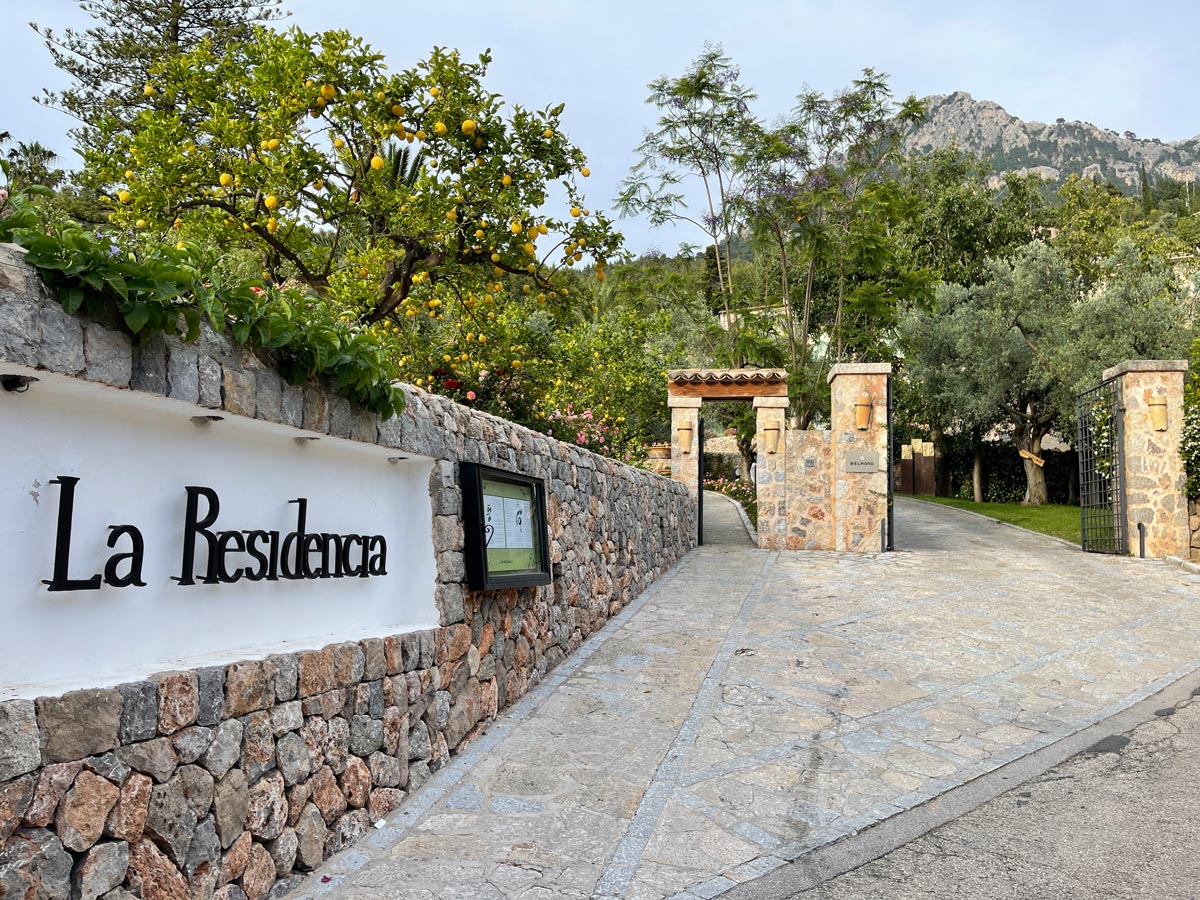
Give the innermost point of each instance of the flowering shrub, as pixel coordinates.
(1189, 444)
(584, 428)
(743, 492)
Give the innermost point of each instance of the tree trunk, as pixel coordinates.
(977, 475)
(1029, 438)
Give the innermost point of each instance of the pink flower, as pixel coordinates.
(470, 395)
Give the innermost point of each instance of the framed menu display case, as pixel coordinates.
(504, 524)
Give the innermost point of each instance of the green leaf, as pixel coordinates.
(137, 316)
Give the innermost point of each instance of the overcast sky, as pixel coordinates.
(1117, 65)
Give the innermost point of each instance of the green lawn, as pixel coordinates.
(1054, 519)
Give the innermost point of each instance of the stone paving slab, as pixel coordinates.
(755, 705)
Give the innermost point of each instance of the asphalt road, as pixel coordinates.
(1121, 820)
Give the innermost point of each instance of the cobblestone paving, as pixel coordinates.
(755, 705)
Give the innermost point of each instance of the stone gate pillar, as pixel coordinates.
(1151, 392)
(771, 478)
(860, 453)
(685, 415)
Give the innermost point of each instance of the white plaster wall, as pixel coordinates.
(134, 453)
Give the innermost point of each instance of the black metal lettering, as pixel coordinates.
(348, 541)
(135, 556)
(296, 538)
(331, 556)
(61, 581)
(264, 564)
(229, 542)
(378, 550)
(193, 528)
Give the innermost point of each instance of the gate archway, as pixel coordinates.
(687, 389)
(818, 489)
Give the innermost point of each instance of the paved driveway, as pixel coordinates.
(755, 705)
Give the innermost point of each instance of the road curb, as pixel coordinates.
(849, 853)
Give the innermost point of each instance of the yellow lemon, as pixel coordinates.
(148, 90)
(420, 134)
(376, 162)
(585, 171)
(575, 211)
(397, 110)
(178, 223)
(549, 132)
(339, 143)
(328, 91)
(270, 201)
(482, 339)
(141, 223)
(478, 233)
(495, 257)
(273, 144)
(318, 184)
(468, 126)
(542, 229)
(439, 128)
(226, 179)
(451, 215)
(526, 288)
(272, 225)
(124, 196)
(506, 180)
(129, 175)
(380, 96)
(516, 227)
(181, 246)
(530, 249)
(435, 92)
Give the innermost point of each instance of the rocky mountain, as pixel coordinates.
(1053, 150)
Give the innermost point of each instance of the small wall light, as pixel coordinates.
(1158, 413)
(771, 437)
(685, 437)
(862, 411)
(16, 384)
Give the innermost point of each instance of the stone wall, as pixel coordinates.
(809, 490)
(229, 781)
(808, 497)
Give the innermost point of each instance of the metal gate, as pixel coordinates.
(1102, 469)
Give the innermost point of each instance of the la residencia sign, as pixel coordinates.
(228, 556)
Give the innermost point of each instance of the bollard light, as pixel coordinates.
(1158, 413)
(771, 437)
(862, 411)
(685, 437)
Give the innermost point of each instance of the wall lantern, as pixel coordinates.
(862, 411)
(771, 437)
(16, 384)
(1158, 413)
(685, 437)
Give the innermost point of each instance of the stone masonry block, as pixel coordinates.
(79, 724)
(20, 749)
(61, 346)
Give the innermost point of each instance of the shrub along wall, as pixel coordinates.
(230, 780)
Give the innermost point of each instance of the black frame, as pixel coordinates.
(475, 548)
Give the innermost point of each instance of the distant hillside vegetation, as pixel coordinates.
(1054, 151)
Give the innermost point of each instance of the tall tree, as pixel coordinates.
(301, 148)
(703, 126)
(1016, 348)
(112, 62)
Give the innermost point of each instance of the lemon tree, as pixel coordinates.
(415, 199)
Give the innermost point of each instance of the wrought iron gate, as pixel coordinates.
(1102, 469)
